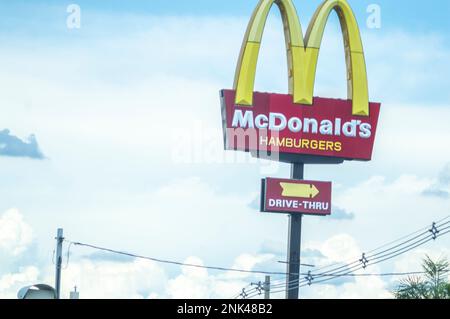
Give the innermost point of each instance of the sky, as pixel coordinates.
(112, 131)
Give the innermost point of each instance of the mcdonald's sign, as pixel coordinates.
(298, 126)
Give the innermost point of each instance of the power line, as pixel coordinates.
(334, 276)
(387, 254)
(344, 270)
(376, 258)
(398, 274)
(424, 230)
(411, 248)
(356, 265)
(371, 260)
(163, 261)
(393, 274)
(68, 255)
(348, 270)
(406, 236)
(392, 255)
(399, 245)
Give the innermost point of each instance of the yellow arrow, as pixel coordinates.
(299, 190)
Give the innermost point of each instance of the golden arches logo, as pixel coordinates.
(303, 53)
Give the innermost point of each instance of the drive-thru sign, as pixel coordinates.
(296, 196)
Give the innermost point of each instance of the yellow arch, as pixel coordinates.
(302, 59)
(246, 68)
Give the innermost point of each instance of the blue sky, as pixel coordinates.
(396, 13)
(118, 106)
(413, 15)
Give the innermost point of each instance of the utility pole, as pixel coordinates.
(75, 294)
(59, 241)
(294, 242)
(267, 288)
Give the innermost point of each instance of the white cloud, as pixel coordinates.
(343, 249)
(248, 262)
(191, 217)
(107, 278)
(103, 279)
(195, 283)
(412, 262)
(137, 278)
(15, 233)
(362, 288)
(16, 236)
(385, 209)
(10, 283)
(340, 248)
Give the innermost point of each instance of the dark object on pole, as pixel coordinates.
(59, 241)
(294, 242)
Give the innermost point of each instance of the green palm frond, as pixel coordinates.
(433, 285)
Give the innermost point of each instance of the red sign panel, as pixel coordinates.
(295, 196)
(274, 124)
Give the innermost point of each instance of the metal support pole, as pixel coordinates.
(267, 288)
(59, 241)
(294, 242)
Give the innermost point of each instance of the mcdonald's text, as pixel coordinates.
(279, 122)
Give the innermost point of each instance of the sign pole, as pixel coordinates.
(58, 262)
(294, 242)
